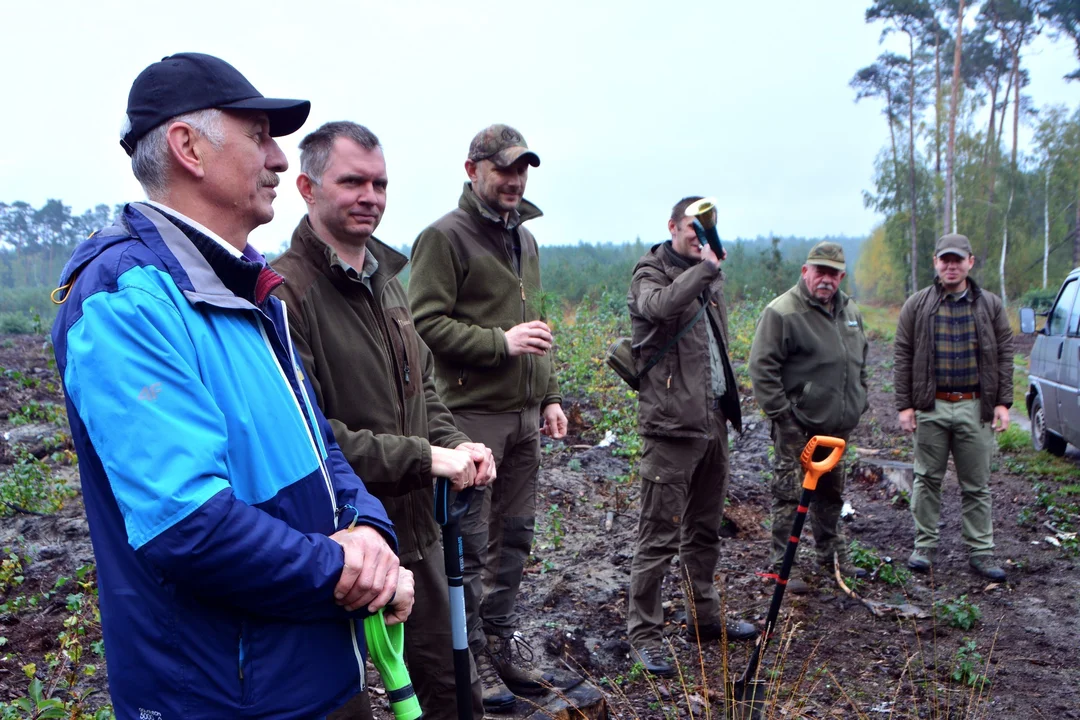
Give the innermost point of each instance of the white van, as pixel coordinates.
(1053, 395)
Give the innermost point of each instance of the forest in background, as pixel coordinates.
(36, 242)
(954, 102)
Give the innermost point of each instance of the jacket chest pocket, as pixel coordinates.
(406, 350)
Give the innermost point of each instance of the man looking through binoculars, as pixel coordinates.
(686, 399)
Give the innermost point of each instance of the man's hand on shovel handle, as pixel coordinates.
(401, 606)
(370, 574)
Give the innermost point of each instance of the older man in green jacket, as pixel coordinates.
(373, 378)
(808, 367)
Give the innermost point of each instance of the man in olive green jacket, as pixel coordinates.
(372, 377)
(476, 295)
(808, 368)
(685, 402)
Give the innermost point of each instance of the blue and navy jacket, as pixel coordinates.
(211, 481)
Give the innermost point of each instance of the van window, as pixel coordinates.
(1074, 322)
(1059, 316)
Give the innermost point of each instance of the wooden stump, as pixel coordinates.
(583, 702)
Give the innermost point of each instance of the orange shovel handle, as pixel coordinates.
(814, 470)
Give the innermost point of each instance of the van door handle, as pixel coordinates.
(1059, 350)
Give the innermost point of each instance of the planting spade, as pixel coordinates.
(749, 692)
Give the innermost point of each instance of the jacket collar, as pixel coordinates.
(973, 288)
(664, 258)
(471, 203)
(674, 258)
(318, 253)
(204, 271)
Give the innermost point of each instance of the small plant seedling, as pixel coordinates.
(959, 613)
(968, 665)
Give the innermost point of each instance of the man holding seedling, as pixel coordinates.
(808, 368)
(954, 388)
(476, 296)
(685, 403)
(373, 377)
(236, 550)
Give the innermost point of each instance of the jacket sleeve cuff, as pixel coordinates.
(425, 458)
(502, 345)
(551, 400)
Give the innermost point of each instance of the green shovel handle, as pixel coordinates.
(386, 645)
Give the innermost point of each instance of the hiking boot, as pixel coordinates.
(518, 676)
(922, 559)
(988, 567)
(655, 660)
(736, 630)
(798, 586)
(497, 697)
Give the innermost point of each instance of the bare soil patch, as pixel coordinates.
(838, 660)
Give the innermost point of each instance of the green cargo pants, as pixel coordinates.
(497, 531)
(683, 485)
(954, 427)
(789, 439)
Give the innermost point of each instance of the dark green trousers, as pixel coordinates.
(683, 485)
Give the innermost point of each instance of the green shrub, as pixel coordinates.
(16, 323)
(870, 560)
(29, 485)
(1014, 439)
(1039, 299)
(968, 666)
(958, 613)
(33, 412)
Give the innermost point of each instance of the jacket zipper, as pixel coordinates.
(361, 669)
(388, 350)
(308, 420)
(316, 446)
(404, 350)
(842, 346)
(524, 318)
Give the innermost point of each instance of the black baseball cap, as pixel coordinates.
(186, 82)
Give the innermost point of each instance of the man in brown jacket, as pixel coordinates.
(953, 376)
(684, 405)
(373, 379)
(476, 295)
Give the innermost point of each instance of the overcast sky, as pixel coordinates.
(630, 105)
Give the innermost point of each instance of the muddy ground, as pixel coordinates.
(836, 659)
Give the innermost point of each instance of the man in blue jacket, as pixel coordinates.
(236, 549)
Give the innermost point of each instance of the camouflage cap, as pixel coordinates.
(829, 254)
(502, 145)
(953, 244)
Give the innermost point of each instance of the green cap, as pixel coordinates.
(502, 145)
(953, 244)
(829, 254)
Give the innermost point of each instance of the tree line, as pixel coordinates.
(949, 166)
(36, 242)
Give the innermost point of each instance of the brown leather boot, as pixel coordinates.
(497, 697)
(512, 657)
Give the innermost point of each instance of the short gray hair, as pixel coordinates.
(315, 148)
(150, 161)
